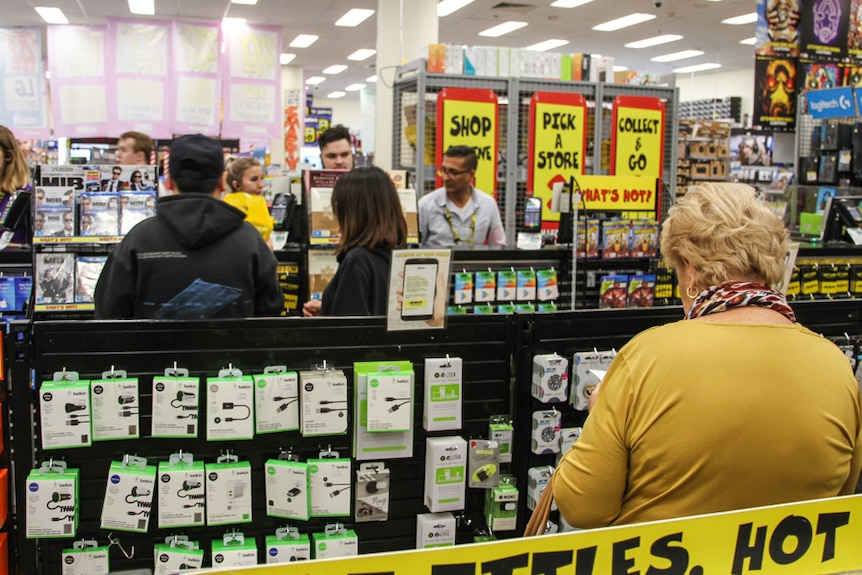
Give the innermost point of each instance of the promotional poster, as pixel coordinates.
(775, 87)
(777, 28)
(823, 28)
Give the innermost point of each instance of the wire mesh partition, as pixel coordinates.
(145, 349)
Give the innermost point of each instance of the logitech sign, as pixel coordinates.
(832, 103)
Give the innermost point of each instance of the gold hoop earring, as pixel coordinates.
(688, 292)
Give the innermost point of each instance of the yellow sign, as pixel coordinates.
(638, 137)
(618, 193)
(557, 144)
(796, 539)
(470, 122)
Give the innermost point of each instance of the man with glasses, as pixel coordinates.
(459, 215)
(68, 226)
(114, 184)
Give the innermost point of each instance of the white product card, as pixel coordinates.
(116, 407)
(331, 483)
(588, 372)
(85, 560)
(276, 399)
(287, 489)
(230, 406)
(129, 495)
(65, 414)
(176, 404)
(546, 431)
(390, 402)
(228, 488)
(324, 402)
(443, 386)
(182, 492)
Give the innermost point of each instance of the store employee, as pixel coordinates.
(459, 215)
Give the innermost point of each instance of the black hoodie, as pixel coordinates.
(192, 237)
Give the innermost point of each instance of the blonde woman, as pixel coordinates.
(245, 183)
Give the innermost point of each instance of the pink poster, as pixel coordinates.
(79, 62)
(22, 99)
(139, 93)
(196, 79)
(252, 83)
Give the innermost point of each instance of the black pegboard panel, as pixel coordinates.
(146, 348)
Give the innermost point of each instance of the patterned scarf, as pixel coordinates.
(730, 295)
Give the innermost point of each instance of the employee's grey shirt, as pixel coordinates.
(436, 232)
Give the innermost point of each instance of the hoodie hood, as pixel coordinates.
(197, 220)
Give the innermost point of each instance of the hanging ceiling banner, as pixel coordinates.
(468, 117)
(139, 91)
(79, 64)
(22, 98)
(196, 61)
(557, 144)
(637, 137)
(823, 28)
(252, 83)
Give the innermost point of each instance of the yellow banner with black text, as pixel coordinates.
(820, 536)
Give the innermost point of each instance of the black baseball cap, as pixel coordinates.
(196, 157)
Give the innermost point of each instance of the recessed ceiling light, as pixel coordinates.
(335, 69)
(446, 7)
(620, 68)
(749, 41)
(624, 22)
(315, 80)
(303, 41)
(501, 29)
(335, 95)
(677, 56)
(248, 2)
(52, 15)
(232, 22)
(371, 78)
(354, 17)
(362, 54)
(143, 7)
(354, 87)
(286, 59)
(547, 45)
(696, 68)
(749, 18)
(569, 3)
(654, 41)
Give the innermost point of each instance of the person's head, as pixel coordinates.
(134, 148)
(244, 175)
(196, 165)
(14, 173)
(85, 203)
(86, 222)
(68, 221)
(116, 172)
(335, 150)
(40, 196)
(458, 168)
(137, 177)
(368, 211)
(39, 221)
(718, 232)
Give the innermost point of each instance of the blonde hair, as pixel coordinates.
(236, 168)
(15, 174)
(726, 233)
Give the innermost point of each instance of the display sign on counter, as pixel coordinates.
(558, 142)
(637, 138)
(468, 117)
(618, 193)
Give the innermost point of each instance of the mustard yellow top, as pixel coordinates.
(255, 209)
(698, 417)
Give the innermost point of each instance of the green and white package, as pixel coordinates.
(128, 495)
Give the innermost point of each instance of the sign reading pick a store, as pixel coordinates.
(832, 103)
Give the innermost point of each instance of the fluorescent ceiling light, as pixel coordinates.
(232, 22)
(749, 41)
(749, 18)
(143, 7)
(547, 45)
(362, 54)
(335, 69)
(620, 68)
(52, 15)
(371, 78)
(303, 41)
(696, 68)
(502, 29)
(446, 7)
(569, 3)
(286, 59)
(248, 2)
(354, 87)
(654, 41)
(354, 17)
(335, 95)
(315, 80)
(624, 22)
(677, 56)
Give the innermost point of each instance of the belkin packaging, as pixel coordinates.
(445, 473)
(442, 405)
(388, 386)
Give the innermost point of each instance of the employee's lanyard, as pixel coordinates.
(455, 233)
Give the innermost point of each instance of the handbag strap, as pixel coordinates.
(539, 519)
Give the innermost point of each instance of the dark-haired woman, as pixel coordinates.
(368, 211)
(14, 176)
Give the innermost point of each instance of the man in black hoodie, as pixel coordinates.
(197, 258)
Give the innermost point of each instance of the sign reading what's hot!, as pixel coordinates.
(558, 141)
(468, 117)
(637, 139)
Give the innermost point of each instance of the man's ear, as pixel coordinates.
(169, 183)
